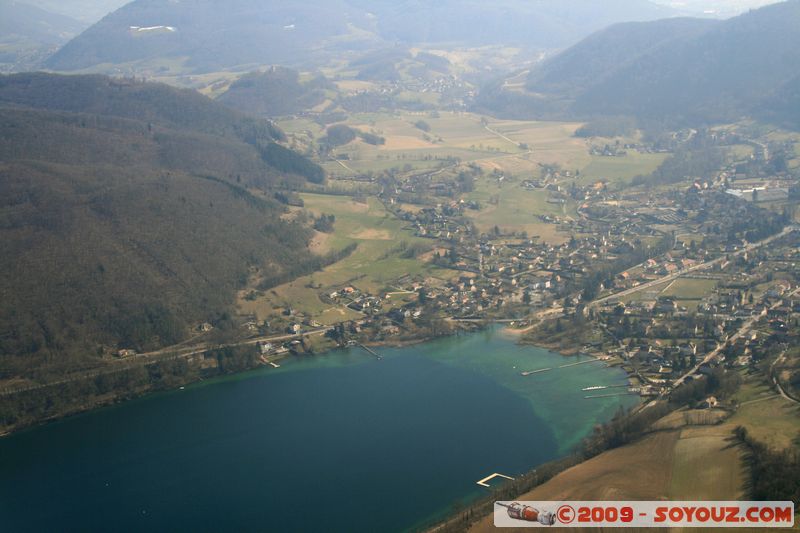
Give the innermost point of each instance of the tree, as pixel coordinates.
(339, 135)
(422, 125)
(526, 297)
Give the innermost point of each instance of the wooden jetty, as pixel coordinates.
(371, 351)
(484, 482)
(609, 395)
(531, 372)
(580, 363)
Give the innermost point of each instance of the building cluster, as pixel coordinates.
(754, 305)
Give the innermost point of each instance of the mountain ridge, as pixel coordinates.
(196, 34)
(705, 72)
(124, 232)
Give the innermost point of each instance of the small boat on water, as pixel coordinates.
(596, 387)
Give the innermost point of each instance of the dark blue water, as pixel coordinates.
(344, 443)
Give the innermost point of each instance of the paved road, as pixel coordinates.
(777, 383)
(539, 314)
(700, 266)
(746, 328)
(165, 354)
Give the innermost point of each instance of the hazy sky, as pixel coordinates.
(721, 7)
(90, 11)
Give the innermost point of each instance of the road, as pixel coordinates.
(345, 166)
(746, 328)
(165, 354)
(777, 383)
(539, 314)
(495, 132)
(701, 266)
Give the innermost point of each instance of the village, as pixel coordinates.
(672, 284)
(666, 284)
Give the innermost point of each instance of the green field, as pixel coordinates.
(705, 466)
(514, 149)
(516, 209)
(690, 289)
(621, 169)
(650, 293)
(767, 416)
(372, 267)
(460, 135)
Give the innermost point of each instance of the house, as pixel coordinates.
(126, 353)
(706, 369)
(709, 403)
(669, 268)
(265, 347)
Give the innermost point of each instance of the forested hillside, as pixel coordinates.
(274, 93)
(678, 72)
(571, 72)
(125, 232)
(536, 23)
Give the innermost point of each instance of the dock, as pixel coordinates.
(266, 361)
(371, 351)
(603, 387)
(580, 363)
(531, 372)
(609, 395)
(484, 482)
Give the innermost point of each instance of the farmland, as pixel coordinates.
(767, 416)
(507, 151)
(377, 260)
(495, 144)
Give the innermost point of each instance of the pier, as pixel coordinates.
(485, 481)
(531, 372)
(603, 387)
(267, 361)
(580, 363)
(609, 395)
(371, 351)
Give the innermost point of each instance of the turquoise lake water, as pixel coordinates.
(335, 442)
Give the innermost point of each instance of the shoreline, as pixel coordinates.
(106, 400)
(100, 402)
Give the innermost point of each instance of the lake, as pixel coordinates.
(335, 442)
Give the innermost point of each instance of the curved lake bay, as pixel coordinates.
(337, 442)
